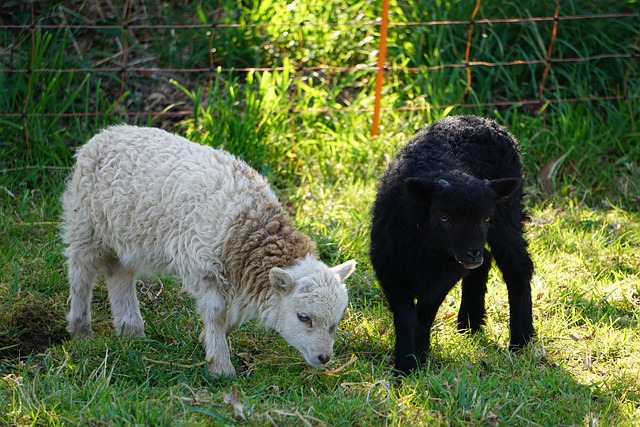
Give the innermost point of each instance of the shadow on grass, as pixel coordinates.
(495, 386)
(31, 325)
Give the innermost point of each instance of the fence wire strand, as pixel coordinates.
(126, 66)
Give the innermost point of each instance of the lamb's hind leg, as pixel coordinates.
(82, 269)
(212, 309)
(125, 308)
(510, 252)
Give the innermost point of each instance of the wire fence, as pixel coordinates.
(125, 66)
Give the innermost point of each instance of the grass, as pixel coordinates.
(305, 132)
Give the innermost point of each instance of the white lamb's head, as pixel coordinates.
(313, 300)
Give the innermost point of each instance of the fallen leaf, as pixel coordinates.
(449, 315)
(334, 372)
(548, 172)
(246, 357)
(494, 420)
(589, 337)
(232, 399)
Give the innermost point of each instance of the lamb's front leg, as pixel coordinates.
(404, 321)
(212, 309)
(425, 314)
(474, 288)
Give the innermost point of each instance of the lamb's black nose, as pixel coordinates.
(324, 359)
(473, 254)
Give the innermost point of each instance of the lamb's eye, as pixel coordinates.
(304, 318)
(444, 218)
(487, 218)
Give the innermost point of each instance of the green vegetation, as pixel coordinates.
(307, 132)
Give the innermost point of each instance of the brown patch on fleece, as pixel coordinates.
(260, 241)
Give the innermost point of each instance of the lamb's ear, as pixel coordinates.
(344, 270)
(420, 188)
(281, 280)
(504, 187)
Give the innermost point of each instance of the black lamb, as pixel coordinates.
(456, 186)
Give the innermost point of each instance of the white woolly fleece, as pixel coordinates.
(142, 200)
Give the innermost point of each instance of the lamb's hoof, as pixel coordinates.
(130, 333)
(517, 347)
(217, 371)
(521, 342)
(406, 366)
(79, 331)
(466, 329)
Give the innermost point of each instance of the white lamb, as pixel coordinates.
(142, 200)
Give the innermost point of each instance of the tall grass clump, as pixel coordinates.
(248, 119)
(36, 144)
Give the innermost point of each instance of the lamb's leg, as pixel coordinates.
(426, 310)
(510, 253)
(125, 308)
(474, 288)
(82, 270)
(404, 321)
(212, 308)
(426, 313)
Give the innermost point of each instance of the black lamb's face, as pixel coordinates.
(460, 213)
(459, 221)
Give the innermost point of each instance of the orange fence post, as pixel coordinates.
(467, 52)
(547, 67)
(382, 59)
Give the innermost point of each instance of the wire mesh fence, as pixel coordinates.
(102, 51)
